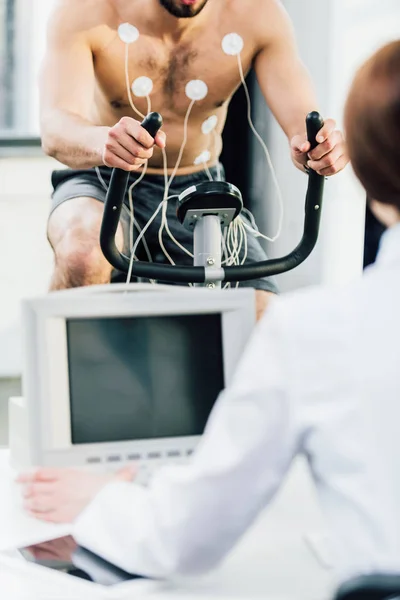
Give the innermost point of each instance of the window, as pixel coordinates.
(6, 62)
(22, 43)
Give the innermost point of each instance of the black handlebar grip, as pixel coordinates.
(314, 123)
(152, 123)
(114, 201)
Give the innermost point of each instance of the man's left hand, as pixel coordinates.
(60, 495)
(328, 158)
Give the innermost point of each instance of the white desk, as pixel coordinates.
(271, 561)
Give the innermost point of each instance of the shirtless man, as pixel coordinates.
(87, 120)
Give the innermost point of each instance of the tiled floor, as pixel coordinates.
(8, 387)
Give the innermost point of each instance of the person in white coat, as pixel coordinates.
(320, 377)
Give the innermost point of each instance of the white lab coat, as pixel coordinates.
(321, 376)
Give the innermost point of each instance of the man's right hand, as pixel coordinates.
(129, 145)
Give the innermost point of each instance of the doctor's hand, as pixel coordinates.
(60, 495)
(59, 549)
(328, 158)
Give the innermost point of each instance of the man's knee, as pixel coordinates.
(73, 219)
(263, 298)
(74, 232)
(81, 262)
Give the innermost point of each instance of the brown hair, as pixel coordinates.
(372, 121)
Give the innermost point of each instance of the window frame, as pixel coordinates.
(20, 73)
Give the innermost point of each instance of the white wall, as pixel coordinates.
(32, 16)
(25, 257)
(334, 36)
(359, 27)
(312, 20)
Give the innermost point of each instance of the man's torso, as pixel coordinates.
(170, 64)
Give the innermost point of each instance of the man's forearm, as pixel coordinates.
(73, 140)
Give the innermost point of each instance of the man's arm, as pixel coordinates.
(289, 93)
(66, 93)
(67, 84)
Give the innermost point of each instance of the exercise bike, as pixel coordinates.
(205, 209)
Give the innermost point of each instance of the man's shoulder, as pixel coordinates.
(260, 13)
(254, 9)
(264, 19)
(83, 15)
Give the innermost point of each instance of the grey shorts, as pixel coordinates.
(147, 195)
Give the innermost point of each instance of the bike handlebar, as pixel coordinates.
(188, 274)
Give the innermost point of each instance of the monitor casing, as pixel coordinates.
(40, 426)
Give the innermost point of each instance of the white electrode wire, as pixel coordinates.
(253, 228)
(149, 222)
(128, 85)
(130, 211)
(164, 206)
(185, 128)
(267, 155)
(164, 225)
(165, 171)
(233, 244)
(244, 232)
(236, 242)
(215, 138)
(134, 184)
(239, 244)
(207, 170)
(236, 246)
(164, 218)
(160, 233)
(244, 237)
(134, 223)
(131, 216)
(148, 104)
(131, 261)
(240, 240)
(225, 254)
(145, 228)
(223, 246)
(256, 232)
(100, 178)
(167, 229)
(228, 245)
(148, 253)
(165, 196)
(251, 218)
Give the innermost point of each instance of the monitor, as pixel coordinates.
(114, 374)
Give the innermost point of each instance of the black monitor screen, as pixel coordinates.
(135, 378)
